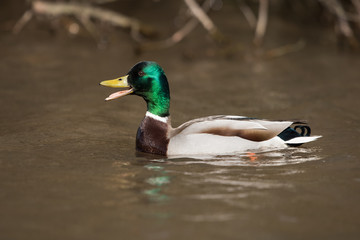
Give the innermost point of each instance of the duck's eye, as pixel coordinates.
(141, 73)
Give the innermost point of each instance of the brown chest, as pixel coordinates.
(152, 136)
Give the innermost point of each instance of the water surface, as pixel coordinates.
(69, 169)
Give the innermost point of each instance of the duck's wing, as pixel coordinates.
(227, 125)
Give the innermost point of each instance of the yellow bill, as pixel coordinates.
(121, 82)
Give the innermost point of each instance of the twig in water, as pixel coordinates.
(283, 50)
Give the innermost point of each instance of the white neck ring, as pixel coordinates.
(156, 117)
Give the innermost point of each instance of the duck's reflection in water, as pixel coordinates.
(157, 183)
(223, 181)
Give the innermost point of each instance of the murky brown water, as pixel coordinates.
(68, 169)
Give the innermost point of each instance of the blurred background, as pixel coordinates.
(68, 167)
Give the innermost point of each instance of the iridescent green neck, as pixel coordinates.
(158, 96)
(158, 103)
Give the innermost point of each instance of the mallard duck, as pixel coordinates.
(213, 135)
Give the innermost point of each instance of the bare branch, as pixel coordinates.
(89, 26)
(85, 12)
(356, 4)
(204, 19)
(200, 15)
(248, 13)
(25, 18)
(171, 41)
(178, 35)
(344, 27)
(262, 22)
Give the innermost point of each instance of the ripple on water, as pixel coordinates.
(222, 188)
(260, 159)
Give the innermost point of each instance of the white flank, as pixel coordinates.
(193, 139)
(210, 145)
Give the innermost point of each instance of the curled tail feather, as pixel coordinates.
(295, 138)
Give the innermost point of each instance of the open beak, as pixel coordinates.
(121, 82)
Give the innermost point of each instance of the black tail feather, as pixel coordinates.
(290, 133)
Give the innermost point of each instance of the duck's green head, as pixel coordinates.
(148, 80)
